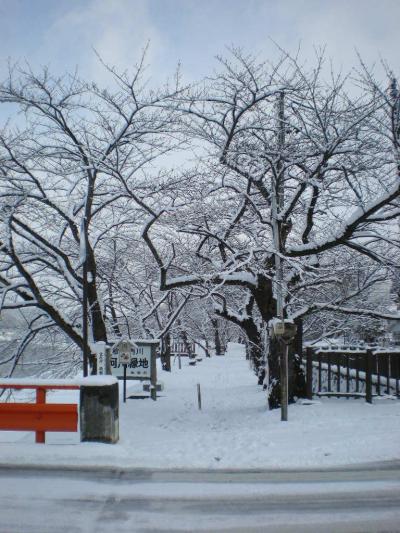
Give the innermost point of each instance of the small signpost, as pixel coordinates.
(284, 331)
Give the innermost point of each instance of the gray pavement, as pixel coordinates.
(358, 499)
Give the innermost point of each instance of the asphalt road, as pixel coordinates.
(363, 499)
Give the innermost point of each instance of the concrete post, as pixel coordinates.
(99, 411)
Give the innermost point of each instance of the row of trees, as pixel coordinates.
(183, 200)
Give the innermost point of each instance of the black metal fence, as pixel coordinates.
(352, 373)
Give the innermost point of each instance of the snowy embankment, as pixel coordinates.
(233, 430)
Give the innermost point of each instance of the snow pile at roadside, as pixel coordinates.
(233, 430)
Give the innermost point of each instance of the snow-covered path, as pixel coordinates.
(233, 430)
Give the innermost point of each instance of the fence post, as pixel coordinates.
(388, 373)
(40, 436)
(368, 376)
(309, 372)
(338, 373)
(348, 374)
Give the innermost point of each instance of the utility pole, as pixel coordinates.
(84, 244)
(277, 204)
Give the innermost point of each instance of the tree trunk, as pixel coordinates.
(254, 345)
(96, 316)
(207, 348)
(274, 379)
(96, 319)
(217, 337)
(187, 344)
(166, 353)
(114, 319)
(296, 378)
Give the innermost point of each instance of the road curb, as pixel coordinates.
(147, 472)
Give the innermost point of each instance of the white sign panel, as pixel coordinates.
(138, 365)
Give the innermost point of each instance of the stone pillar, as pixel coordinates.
(99, 411)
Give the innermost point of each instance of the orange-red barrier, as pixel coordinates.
(40, 416)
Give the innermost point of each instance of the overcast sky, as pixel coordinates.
(63, 33)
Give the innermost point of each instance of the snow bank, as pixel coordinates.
(90, 381)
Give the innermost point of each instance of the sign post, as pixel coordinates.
(285, 332)
(122, 359)
(124, 356)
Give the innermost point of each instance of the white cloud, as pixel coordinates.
(117, 29)
(63, 33)
(344, 26)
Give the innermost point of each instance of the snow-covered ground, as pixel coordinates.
(234, 430)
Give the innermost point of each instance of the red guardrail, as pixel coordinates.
(40, 416)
